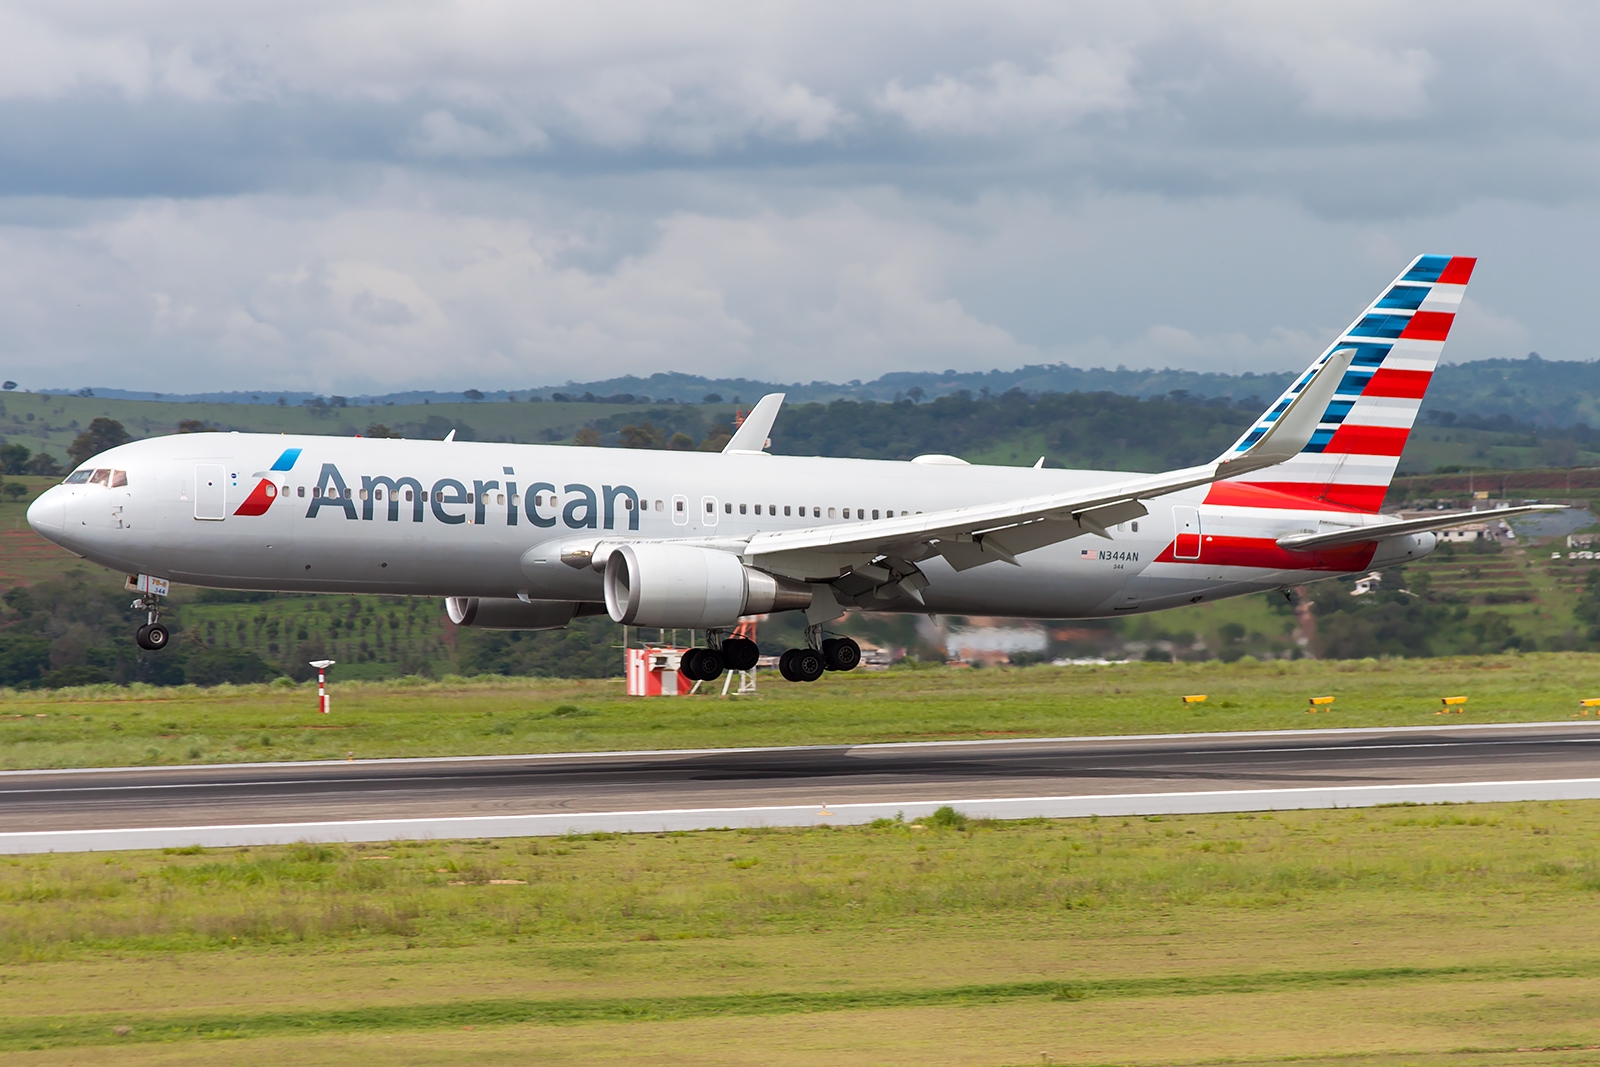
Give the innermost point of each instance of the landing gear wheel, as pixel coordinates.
(688, 664)
(152, 636)
(841, 654)
(739, 653)
(707, 664)
(786, 666)
(806, 664)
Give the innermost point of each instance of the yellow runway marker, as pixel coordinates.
(1319, 704)
(1199, 698)
(1455, 704)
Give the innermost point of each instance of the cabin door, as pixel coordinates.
(1186, 525)
(210, 491)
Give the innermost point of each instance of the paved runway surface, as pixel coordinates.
(771, 778)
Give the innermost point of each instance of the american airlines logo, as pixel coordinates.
(399, 499)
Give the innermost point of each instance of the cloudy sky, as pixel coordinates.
(352, 196)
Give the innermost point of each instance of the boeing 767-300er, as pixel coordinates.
(528, 537)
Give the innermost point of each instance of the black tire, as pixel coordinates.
(785, 665)
(807, 665)
(739, 654)
(842, 654)
(687, 662)
(708, 665)
(138, 635)
(827, 651)
(153, 637)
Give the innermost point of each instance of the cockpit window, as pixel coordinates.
(100, 477)
(77, 477)
(119, 478)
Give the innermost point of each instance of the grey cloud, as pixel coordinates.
(349, 192)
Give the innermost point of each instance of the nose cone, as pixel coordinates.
(47, 515)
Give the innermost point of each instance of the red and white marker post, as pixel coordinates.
(322, 666)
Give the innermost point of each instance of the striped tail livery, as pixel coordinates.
(1393, 347)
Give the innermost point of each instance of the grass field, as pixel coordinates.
(1379, 936)
(108, 725)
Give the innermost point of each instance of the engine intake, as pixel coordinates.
(509, 613)
(650, 584)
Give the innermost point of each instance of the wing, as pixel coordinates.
(970, 536)
(1357, 535)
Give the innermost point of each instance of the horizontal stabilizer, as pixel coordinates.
(1360, 535)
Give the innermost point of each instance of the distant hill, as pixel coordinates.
(1531, 391)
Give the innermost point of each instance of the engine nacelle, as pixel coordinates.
(652, 584)
(509, 613)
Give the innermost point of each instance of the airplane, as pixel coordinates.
(529, 537)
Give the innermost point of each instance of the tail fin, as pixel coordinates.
(1353, 454)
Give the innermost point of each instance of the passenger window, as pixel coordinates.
(861, 513)
(660, 506)
(830, 512)
(758, 509)
(499, 498)
(786, 508)
(363, 494)
(408, 495)
(469, 498)
(710, 507)
(816, 513)
(347, 494)
(100, 477)
(727, 509)
(286, 490)
(1135, 525)
(743, 510)
(677, 504)
(300, 491)
(316, 492)
(874, 512)
(119, 478)
(627, 503)
(772, 509)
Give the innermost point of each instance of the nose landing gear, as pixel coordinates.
(152, 635)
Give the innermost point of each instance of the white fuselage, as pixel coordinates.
(490, 520)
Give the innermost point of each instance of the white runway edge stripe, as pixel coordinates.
(552, 825)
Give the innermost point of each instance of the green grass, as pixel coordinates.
(107, 725)
(1379, 934)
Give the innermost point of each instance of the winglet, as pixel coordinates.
(751, 436)
(1292, 430)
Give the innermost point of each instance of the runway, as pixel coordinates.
(552, 794)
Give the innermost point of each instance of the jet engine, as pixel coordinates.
(509, 613)
(655, 584)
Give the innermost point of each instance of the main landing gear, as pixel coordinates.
(152, 635)
(726, 653)
(796, 665)
(808, 664)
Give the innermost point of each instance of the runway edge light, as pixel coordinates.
(1319, 704)
(1449, 704)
